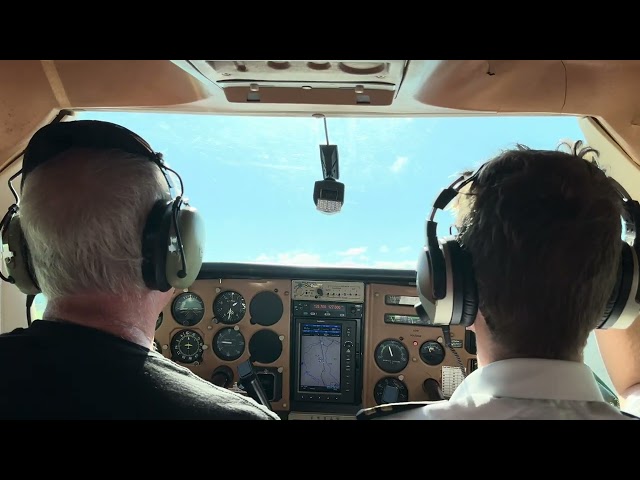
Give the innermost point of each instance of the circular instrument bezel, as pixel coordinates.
(221, 303)
(378, 389)
(190, 318)
(237, 337)
(176, 352)
(388, 365)
(439, 353)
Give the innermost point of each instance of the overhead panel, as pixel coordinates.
(312, 82)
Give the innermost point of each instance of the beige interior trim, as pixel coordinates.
(50, 70)
(32, 91)
(612, 157)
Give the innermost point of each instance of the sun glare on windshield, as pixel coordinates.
(253, 177)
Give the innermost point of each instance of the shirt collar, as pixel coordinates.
(532, 378)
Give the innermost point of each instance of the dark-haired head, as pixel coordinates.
(543, 228)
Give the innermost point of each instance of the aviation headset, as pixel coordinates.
(447, 287)
(173, 236)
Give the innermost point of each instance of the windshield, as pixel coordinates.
(252, 178)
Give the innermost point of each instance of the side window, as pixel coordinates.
(593, 360)
(38, 307)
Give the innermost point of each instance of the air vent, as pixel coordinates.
(331, 82)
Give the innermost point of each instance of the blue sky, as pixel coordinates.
(252, 178)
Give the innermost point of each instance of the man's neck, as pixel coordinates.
(125, 317)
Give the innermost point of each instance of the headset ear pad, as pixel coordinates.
(192, 234)
(161, 260)
(465, 290)
(19, 267)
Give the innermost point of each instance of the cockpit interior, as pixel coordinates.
(309, 179)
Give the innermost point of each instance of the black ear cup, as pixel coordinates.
(465, 291)
(454, 272)
(155, 245)
(622, 309)
(424, 285)
(17, 259)
(162, 266)
(615, 294)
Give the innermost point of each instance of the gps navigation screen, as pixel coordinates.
(320, 357)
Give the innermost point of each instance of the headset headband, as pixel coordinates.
(630, 218)
(443, 199)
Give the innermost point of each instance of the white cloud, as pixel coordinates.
(404, 249)
(399, 164)
(352, 252)
(290, 258)
(280, 166)
(384, 249)
(313, 259)
(401, 265)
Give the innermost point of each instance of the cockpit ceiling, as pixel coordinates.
(32, 92)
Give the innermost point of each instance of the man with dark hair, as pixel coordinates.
(543, 230)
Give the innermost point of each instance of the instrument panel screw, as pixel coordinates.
(281, 337)
(280, 369)
(165, 347)
(401, 378)
(209, 327)
(205, 346)
(286, 293)
(218, 289)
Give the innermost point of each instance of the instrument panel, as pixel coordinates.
(217, 324)
(322, 347)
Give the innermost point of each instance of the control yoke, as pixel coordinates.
(249, 381)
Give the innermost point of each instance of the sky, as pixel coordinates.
(252, 178)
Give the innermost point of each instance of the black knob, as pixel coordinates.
(320, 292)
(348, 344)
(222, 377)
(433, 390)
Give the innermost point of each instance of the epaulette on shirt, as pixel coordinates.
(389, 409)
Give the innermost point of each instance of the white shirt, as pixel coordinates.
(523, 389)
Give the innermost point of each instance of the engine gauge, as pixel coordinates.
(432, 353)
(229, 307)
(186, 346)
(187, 309)
(392, 383)
(391, 356)
(228, 344)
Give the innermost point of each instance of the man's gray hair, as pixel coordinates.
(83, 214)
